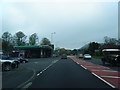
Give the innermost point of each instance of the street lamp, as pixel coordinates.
(52, 37)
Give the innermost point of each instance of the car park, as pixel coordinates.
(111, 56)
(64, 56)
(87, 56)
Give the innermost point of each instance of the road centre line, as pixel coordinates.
(103, 80)
(47, 67)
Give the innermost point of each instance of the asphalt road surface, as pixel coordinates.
(50, 73)
(65, 73)
(26, 72)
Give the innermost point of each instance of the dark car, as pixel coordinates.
(64, 56)
(80, 55)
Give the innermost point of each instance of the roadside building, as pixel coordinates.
(36, 51)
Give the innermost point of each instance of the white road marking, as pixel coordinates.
(109, 71)
(21, 85)
(94, 66)
(26, 86)
(111, 76)
(104, 70)
(83, 66)
(47, 67)
(96, 70)
(77, 62)
(104, 80)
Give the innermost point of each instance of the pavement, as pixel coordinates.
(109, 76)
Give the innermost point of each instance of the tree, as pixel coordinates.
(74, 51)
(45, 41)
(20, 38)
(6, 36)
(33, 39)
(111, 42)
(7, 41)
(108, 40)
(92, 47)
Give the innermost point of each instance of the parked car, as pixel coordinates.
(87, 56)
(64, 56)
(111, 56)
(8, 65)
(80, 56)
(20, 59)
(6, 58)
(55, 55)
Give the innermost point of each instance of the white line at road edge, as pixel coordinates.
(83, 66)
(104, 80)
(77, 62)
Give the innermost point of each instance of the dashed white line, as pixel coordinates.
(104, 80)
(47, 67)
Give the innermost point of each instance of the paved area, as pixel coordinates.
(65, 73)
(106, 74)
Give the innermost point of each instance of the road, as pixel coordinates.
(65, 73)
(26, 72)
(51, 73)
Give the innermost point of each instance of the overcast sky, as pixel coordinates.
(76, 23)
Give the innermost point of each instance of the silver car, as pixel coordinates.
(87, 56)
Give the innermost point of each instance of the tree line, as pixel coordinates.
(94, 48)
(8, 40)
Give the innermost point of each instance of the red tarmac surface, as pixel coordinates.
(109, 75)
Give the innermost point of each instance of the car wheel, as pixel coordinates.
(24, 61)
(17, 65)
(7, 67)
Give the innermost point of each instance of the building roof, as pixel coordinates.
(111, 50)
(40, 46)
